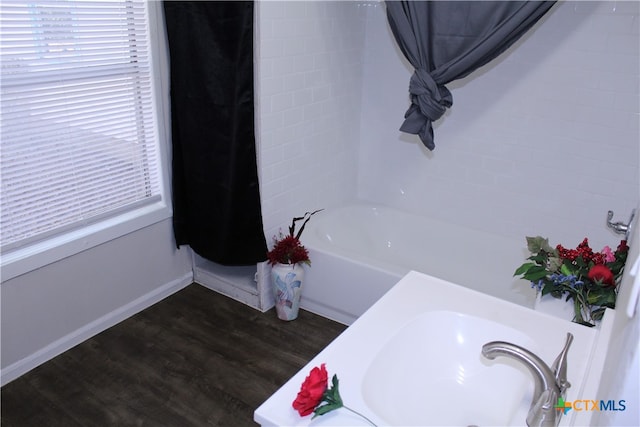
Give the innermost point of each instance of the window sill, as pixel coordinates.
(34, 256)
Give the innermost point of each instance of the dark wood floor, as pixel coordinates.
(196, 358)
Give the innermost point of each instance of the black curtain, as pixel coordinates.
(446, 41)
(216, 200)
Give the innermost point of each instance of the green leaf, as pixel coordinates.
(554, 263)
(603, 296)
(523, 268)
(538, 243)
(334, 390)
(540, 258)
(331, 398)
(535, 273)
(321, 410)
(564, 269)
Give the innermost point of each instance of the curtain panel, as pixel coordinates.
(216, 199)
(446, 41)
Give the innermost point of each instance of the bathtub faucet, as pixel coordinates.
(620, 227)
(550, 382)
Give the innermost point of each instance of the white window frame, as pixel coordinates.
(33, 256)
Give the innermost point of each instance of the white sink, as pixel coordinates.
(414, 358)
(423, 373)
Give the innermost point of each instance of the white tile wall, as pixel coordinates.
(543, 140)
(308, 85)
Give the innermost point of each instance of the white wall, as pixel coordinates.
(308, 90)
(58, 306)
(542, 141)
(49, 310)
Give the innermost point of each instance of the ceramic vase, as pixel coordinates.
(555, 306)
(287, 289)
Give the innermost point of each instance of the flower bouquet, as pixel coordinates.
(286, 259)
(288, 249)
(589, 279)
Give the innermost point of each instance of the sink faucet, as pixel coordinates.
(550, 382)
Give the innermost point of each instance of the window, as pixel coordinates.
(79, 147)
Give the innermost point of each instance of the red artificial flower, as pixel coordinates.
(601, 273)
(288, 250)
(311, 391)
(598, 258)
(582, 250)
(622, 247)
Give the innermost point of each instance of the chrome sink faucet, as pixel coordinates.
(550, 382)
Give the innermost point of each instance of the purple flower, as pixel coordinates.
(537, 285)
(571, 280)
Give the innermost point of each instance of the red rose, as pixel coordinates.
(311, 391)
(622, 247)
(601, 273)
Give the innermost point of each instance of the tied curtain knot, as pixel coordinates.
(448, 40)
(429, 101)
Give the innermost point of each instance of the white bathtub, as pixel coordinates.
(360, 251)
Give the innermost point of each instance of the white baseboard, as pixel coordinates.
(63, 344)
(244, 284)
(327, 312)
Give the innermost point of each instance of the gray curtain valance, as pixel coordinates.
(446, 41)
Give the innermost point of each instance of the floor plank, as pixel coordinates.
(196, 358)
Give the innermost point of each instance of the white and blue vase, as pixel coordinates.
(558, 307)
(287, 289)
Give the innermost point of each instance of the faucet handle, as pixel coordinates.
(620, 227)
(559, 366)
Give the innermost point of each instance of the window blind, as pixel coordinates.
(78, 135)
